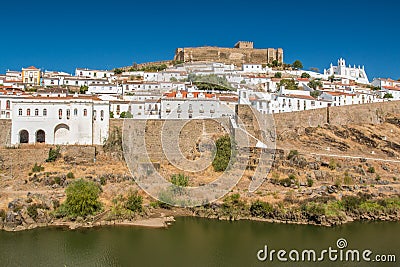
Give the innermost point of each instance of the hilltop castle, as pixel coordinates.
(242, 52)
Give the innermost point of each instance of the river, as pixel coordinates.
(193, 242)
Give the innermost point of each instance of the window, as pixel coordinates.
(85, 112)
(44, 112)
(76, 112)
(102, 114)
(20, 112)
(8, 104)
(94, 115)
(68, 114)
(60, 113)
(28, 112)
(36, 112)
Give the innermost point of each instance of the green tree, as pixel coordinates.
(314, 84)
(83, 89)
(297, 64)
(315, 93)
(305, 75)
(134, 202)
(331, 78)
(261, 209)
(223, 153)
(275, 63)
(82, 199)
(118, 71)
(180, 180)
(54, 154)
(278, 75)
(388, 95)
(289, 84)
(126, 114)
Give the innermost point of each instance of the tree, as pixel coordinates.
(126, 114)
(289, 84)
(118, 71)
(134, 202)
(173, 79)
(314, 84)
(331, 78)
(82, 199)
(297, 64)
(83, 89)
(278, 75)
(223, 153)
(180, 180)
(305, 75)
(315, 93)
(275, 63)
(388, 95)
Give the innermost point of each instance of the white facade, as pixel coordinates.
(357, 74)
(94, 74)
(60, 120)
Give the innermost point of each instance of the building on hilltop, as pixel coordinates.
(31, 75)
(357, 74)
(242, 52)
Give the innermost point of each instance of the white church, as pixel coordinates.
(68, 120)
(354, 73)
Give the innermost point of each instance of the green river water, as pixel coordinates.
(193, 242)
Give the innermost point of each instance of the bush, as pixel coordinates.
(310, 182)
(371, 169)
(180, 180)
(32, 210)
(278, 75)
(70, 175)
(223, 153)
(332, 164)
(2, 214)
(103, 180)
(134, 202)
(54, 154)
(82, 199)
(57, 180)
(37, 168)
(292, 154)
(347, 180)
(126, 114)
(261, 209)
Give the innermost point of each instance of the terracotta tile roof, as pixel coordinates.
(301, 97)
(393, 88)
(31, 68)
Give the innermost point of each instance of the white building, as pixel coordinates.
(94, 74)
(79, 120)
(31, 75)
(189, 105)
(354, 73)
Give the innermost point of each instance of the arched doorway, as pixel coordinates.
(61, 134)
(23, 137)
(40, 136)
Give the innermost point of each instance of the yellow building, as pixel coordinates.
(31, 76)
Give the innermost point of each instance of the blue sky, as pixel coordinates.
(57, 35)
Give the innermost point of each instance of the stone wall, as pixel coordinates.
(236, 56)
(373, 113)
(5, 132)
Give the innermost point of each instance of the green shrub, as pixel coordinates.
(54, 154)
(332, 164)
(37, 168)
(103, 180)
(180, 180)
(292, 154)
(2, 214)
(223, 153)
(134, 202)
(261, 209)
(347, 180)
(310, 182)
(82, 199)
(371, 169)
(70, 175)
(57, 180)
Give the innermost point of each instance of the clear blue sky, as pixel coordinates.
(63, 35)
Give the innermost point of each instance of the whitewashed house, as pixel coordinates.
(354, 73)
(79, 120)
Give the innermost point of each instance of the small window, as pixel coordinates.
(102, 114)
(36, 112)
(94, 115)
(68, 114)
(28, 112)
(44, 112)
(85, 112)
(76, 112)
(8, 103)
(60, 113)
(20, 112)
